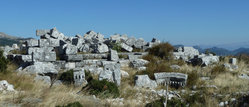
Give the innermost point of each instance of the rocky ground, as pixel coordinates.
(118, 71)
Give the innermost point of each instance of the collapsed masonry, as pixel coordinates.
(92, 52)
(191, 55)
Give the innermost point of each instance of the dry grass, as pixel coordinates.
(229, 83)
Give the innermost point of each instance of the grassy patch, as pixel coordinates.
(218, 69)
(170, 103)
(102, 88)
(193, 78)
(74, 104)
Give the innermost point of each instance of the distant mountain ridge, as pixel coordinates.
(223, 51)
(9, 40)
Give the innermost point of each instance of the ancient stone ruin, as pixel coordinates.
(54, 51)
(100, 56)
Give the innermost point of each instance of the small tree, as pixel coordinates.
(3, 63)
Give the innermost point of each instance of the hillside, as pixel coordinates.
(6, 39)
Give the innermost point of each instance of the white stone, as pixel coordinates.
(5, 86)
(145, 81)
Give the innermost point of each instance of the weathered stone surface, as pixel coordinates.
(15, 46)
(79, 77)
(126, 47)
(101, 48)
(59, 65)
(210, 59)
(45, 79)
(70, 65)
(88, 62)
(93, 37)
(93, 69)
(78, 42)
(42, 54)
(186, 53)
(44, 43)
(132, 57)
(56, 34)
(74, 58)
(84, 48)
(244, 76)
(108, 62)
(113, 55)
(24, 58)
(53, 42)
(144, 81)
(71, 49)
(124, 63)
(46, 36)
(111, 73)
(172, 78)
(49, 57)
(32, 43)
(204, 60)
(94, 56)
(41, 68)
(140, 43)
(5, 86)
(131, 41)
(175, 67)
(42, 32)
(124, 74)
(138, 63)
(233, 61)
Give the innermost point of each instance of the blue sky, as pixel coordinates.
(188, 22)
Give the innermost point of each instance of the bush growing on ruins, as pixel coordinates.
(116, 46)
(102, 88)
(74, 104)
(218, 69)
(170, 103)
(162, 50)
(3, 63)
(67, 77)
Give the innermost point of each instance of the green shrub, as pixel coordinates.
(74, 104)
(116, 46)
(218, 69)
(88, 76)
(193, 78)
(102, 88)
(170, 103)
(3, 63)
(162, 50)
(67, 77)
(195, 99)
